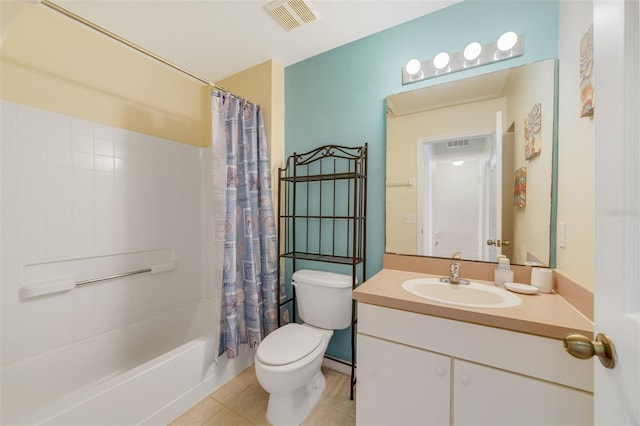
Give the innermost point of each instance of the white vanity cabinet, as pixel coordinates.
(488, 396)
(401, 385)
(420, 370)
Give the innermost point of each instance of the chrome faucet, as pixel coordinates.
(454, 273)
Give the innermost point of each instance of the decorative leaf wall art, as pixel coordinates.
(586, 73)
(520, 188)
(533, 132)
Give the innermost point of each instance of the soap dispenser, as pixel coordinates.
(503, 273)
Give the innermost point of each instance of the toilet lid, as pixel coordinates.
(288, 344)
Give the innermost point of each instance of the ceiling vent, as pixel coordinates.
(292, 14)
(458, 143)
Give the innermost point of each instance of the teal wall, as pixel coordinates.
(338, 97)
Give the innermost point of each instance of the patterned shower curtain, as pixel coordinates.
(250, 252)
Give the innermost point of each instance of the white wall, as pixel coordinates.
(575, 149)
(73, 188)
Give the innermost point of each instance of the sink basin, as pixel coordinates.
(473, 295)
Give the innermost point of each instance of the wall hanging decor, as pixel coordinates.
(586, 74)
(520, 188)
(532, 132)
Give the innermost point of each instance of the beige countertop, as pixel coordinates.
(547, 315)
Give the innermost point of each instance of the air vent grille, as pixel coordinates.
(303, 11)
(285, 18)
(292, 14)
(457, 143)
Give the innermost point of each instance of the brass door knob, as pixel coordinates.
(499, 243)
(584, 348)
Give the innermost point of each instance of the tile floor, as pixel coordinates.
(242, 402)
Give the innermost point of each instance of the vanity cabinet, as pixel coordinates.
(401, 385)
(488, 396)
(416, 369)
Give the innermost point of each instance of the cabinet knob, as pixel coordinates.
(465, 379)
(440, 372)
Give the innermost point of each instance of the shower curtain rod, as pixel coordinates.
(128, 43)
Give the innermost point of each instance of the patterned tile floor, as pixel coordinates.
(243, 402)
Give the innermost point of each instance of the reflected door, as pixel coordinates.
(500, 228)
(457, 208)
(493, 249)
(506, 199)
(455, 202)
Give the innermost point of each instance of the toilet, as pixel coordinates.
(288, 360)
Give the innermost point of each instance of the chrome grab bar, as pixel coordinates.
(112, 277)
(38, 288)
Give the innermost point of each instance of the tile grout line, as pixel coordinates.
(237, 394)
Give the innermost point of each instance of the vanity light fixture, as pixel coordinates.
(441, 61)
(472, 51)
(505, 45)
(507, 41)
(509, 45)
(413, 67)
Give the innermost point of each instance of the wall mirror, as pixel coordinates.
(470, 167)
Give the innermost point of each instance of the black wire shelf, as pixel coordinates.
(322, 211)
(342, 260)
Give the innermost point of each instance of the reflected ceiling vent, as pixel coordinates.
(457, 143)
(292, 14)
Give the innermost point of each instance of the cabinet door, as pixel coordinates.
(487, 396)
(401, 385)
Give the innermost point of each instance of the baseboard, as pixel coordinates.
(337, 366)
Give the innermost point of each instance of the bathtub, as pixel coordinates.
(145, 373)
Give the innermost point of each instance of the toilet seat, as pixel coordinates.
(289, 344)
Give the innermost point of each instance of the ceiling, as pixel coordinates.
(218, 38)
(477, 88)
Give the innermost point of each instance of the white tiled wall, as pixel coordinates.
(72, 188)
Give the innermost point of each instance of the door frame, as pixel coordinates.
(423, 194)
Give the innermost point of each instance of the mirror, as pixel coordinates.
(470, 166)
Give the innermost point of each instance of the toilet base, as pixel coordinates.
(292, 408)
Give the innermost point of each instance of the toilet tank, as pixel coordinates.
(323, 298)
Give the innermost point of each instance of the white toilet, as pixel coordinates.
(288, 360)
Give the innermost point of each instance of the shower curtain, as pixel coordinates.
(245, 230)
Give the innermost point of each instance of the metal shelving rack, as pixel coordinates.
(322, 210)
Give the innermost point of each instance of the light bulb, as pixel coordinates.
(472, 51)
(507, 41)
(413, 67)
(457, 162)
(441, 60)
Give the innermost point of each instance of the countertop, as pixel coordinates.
(546, 315)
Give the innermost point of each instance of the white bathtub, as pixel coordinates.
(144, 373)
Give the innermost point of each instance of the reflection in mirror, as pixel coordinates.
(469, 167)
